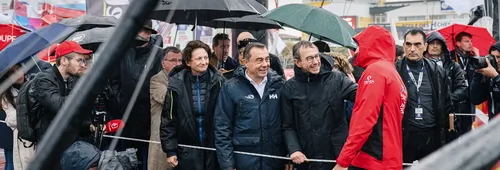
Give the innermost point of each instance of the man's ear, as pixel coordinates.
(297, 63)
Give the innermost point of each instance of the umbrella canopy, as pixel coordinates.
(481, 38)
(190, 12)
(91, 39)
(249, 22)
(31, 43)
(318, 22)
(86, 22)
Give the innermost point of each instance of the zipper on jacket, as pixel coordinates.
(200, 118)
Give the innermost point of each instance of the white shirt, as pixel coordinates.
(259, 87)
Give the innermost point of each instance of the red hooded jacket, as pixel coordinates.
(375, 134)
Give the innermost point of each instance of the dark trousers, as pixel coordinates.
(9, 159)
(419, 144)
(465, 124)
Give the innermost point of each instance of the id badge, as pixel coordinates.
(418, 113)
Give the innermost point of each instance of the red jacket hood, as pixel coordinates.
(375, 43)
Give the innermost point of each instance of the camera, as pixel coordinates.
(480, 62)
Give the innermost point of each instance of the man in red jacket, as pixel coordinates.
(375, 133)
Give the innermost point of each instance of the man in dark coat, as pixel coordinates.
(313, 115)
(188, 111)
(123, 83)
(485, 85)
(247, 116)
(438, 52)
(425, 120)
(51, 87)
(462, 54)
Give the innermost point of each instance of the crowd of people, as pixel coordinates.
(201, 96)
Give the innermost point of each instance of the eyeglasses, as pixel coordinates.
(310, 59)
(81, 61)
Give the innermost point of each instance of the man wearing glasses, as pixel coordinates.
(425, 119)
(313, 115)
(52, 86)
(158, 89)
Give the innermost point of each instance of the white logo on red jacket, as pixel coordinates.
(369, 80)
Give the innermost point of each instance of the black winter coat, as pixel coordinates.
(313, 115)
(123, 83)
(441, 100)
(458, 85)
(246, 122)
(49, 92)
(181, 124)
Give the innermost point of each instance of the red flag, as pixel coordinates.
(8, 33)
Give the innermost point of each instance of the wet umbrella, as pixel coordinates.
(249, 22)
(86, 22)
(31, 43)
(190, 12)
(315, 21)
(91, 39)
(481, 38)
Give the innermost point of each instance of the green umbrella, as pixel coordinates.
(315, 21)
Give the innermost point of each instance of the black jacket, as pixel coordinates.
(456, 76)
(246, 122)
(313, 115)
(49, 92)
(123, 82)
(180, 123)
(481, 87)
(441, 99)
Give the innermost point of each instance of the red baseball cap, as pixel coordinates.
(70, 47)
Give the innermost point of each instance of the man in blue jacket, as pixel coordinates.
(247, 116)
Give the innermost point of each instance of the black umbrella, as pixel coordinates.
(91, 39)
(190, 12)
(86, 22)
(249, 22)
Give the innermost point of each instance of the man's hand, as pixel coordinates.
(289, 167)
(298, 157)
(475, 51)
(488, 71)
(172, 161)
(338, 167)
(92, 128)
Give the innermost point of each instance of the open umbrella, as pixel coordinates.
(86, 22)
(249, 22)
(92, 38)
(318, 22)
(31, 43)
(481, 38)
(190, 12)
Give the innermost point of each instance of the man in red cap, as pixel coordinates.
(51, 87)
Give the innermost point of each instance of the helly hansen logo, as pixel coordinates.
(369, 80)
(273, 96)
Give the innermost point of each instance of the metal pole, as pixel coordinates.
(65, 127)
(474, 150)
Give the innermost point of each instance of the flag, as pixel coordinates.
(8, 33)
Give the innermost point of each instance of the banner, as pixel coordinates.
(29, 13)
(8, 33)
(114, 8)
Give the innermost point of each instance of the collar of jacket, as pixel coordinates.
(178, 74)
(60, 80)
(272, 76)
(303, 76)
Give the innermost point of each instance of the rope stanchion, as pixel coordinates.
(237, 152)
(213, 149)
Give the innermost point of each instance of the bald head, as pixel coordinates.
(244, 35)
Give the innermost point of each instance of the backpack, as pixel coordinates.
(27, 115)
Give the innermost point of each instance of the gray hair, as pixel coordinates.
(298, 46)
